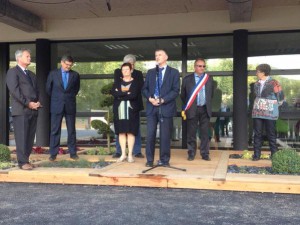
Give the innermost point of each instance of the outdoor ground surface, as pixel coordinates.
(78, 204)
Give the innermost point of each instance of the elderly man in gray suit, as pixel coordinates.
(25, 104)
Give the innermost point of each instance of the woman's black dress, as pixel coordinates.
(125, 107)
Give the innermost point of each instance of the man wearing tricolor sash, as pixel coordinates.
(196, 95)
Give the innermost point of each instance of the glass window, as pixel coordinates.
(281, 51)
(103, 57)
(217, 50)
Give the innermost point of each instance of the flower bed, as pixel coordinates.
(13, 163)
(81, 163)
(42, 150)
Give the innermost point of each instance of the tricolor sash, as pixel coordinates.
(200, 84)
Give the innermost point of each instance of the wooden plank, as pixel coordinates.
(200, 174)
(264, 178)
(221, 170)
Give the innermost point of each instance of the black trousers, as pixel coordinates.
(24, 129)
(56, 120)
(201, 123)
(258, 126)
(165, 136)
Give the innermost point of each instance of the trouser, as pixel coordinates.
(24, 129)
(258, 125)
(56, 120)
(201, 122)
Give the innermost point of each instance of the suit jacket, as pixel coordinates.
(136, 75)
(62, 99)
(23, 90)
(188, 84)
(169, 91)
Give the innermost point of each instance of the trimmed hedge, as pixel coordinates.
(4, 153)
(286, 161)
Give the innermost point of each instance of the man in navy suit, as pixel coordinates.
(25, 104)
(161, 88)
(198, 115)
(62, 86)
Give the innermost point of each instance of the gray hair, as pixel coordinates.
(129, 58)
(20, 51)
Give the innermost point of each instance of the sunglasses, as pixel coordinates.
(201, 66)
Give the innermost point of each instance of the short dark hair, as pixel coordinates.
(199, 59)
(126, 64)
(161, 50)
(67, 58)
(264, 68)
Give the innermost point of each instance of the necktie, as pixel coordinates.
(158, 82)
(65, 80)
(201, 97)
(28, 76)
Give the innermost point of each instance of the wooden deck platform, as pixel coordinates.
(199, 174)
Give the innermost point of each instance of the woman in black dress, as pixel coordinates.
(126, 111)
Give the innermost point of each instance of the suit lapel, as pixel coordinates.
(59, 74)
(71, 76)
(28, 77)
(167, 73)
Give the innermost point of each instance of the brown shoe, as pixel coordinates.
(26, 166)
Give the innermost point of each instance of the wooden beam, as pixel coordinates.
(20, 18)
(240, 10)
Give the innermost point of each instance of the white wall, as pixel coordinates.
(213, 22)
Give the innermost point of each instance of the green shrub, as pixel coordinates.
(286, 161)
(106, 151)
(101, 151)
(81, 163)
(91, 152)
(4, 153)
(6, 165)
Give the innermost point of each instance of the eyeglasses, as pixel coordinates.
(201, 66)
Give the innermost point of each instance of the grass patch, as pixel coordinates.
(101, 151)
(81, 163)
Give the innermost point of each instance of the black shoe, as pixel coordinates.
(74, 157)
(52, 158)
(191, 157)
(161, 163)
(116, 155)
(149, 164)
(139, 155)
(206, 158)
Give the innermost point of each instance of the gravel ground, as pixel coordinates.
(77, 204)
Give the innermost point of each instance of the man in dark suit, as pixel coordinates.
(138, 75)
(161, 88)
(25, 104)
(198, 115)
(62, 86)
